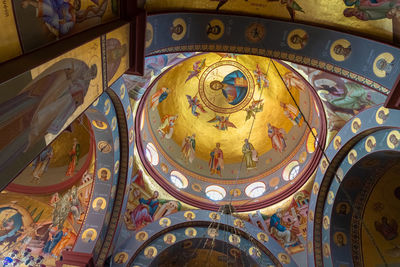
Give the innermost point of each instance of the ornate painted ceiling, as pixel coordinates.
(220, 126)
(376, 18)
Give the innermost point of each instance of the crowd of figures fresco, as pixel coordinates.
(35, 229)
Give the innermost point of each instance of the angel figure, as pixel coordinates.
(194, 103)
(159, 96)
(222, 123)
(261, 78)
(292, 81)
(255, 107)
(291, 5)
(292, 113)
(227, 55)
(197, 68)
(166, 128)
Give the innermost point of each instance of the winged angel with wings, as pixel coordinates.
(222, 123)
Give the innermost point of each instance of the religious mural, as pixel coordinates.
(287, 225)
(376, 18)
(222, 90)
(117, 50)
(36, 228)
(153, 67)
(65, 157)
(145, 206)
(47, 99)
(192, 114)
(342, 98)
(38, 23)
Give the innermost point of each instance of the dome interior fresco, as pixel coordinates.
(200, 133)
(199, 114)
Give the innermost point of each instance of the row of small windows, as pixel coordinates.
(216, 192)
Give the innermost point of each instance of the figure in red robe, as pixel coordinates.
(216, 162)
(277, 138)
(74, 157)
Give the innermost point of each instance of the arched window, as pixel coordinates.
(215, 192)
(255, 189)
(312, 142)
(142, 120)
(178, 179)
(151, 154)
(291, 171)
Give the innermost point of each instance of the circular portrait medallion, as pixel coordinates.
(142, 236)
(383, 64)
(89, 235)
(340, 50)
(99, 204)
(297, 39)
(121, 257)
(104, 147)
(226, 87)
(104, 174)
(178, 29)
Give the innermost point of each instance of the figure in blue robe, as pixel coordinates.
(52, 242)
(10, 225)
(234, 87)
(278, 230)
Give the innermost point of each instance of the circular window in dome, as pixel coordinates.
(255, 189)
(151, 154)
(178, 179)
(291, 171)
(215, 192)
(142, 120)
(312, 142)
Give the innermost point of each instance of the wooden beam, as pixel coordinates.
(137, 44)
(393, 100)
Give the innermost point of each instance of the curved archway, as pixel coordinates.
(351, 144)
(201, 225)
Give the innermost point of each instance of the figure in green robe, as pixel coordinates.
(250, 155)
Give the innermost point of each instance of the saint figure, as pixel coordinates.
(41, 163)
(216, 162)
(387, 228)
(74, 157)
(250, 155)
(159, 96)
(166, 128)
(234, 87)
(292, 113)
(115, 52)
(277, 138)
(47, 102)
(188, 148)
(278, 230)
(144, 212)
